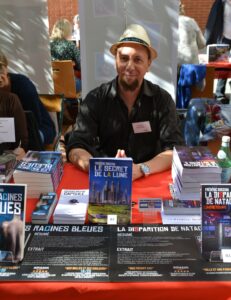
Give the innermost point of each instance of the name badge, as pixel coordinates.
(141, 127)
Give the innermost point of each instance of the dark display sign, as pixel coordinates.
(113, 254)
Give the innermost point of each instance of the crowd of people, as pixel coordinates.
(127, 116)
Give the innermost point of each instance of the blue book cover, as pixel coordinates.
(110, 187)
(216, 222)
(39, 161)
(12, 222)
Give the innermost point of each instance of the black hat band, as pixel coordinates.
(133, 39)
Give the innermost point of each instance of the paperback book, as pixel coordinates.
(181, 207)
(12, 222)
(195, 160)
(40, 170)
(216, 222)
(71, 207)
(192, 166)
(110, 187)
(44, 208)
(218, 52)
(180, 219)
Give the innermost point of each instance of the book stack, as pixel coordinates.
(44, 208)
(71, 207)
(191, 167)
(41, 171)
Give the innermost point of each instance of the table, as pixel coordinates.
(150, 187)
(222, 69)
(153, 186)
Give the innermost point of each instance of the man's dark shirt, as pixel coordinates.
(103, 123)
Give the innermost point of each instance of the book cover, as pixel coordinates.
(12, 222)
(218, 52)
(39, 162)
(71, 207)
(43, 167)
(110, 187)
(216, 221)
(195, 159)
(44, 208)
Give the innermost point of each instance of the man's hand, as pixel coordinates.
(19, 152)
(120, 153)
(80, 158)
(136, 172)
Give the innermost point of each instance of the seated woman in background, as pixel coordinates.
(62, 48)
(10, 107)
(26, 91)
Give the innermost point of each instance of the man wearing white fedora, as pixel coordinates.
(128, 116)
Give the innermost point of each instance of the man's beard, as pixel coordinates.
(129, 86)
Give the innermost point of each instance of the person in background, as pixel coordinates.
(128, 116)
(191, 39)
(76, 31)
(218, 31)
(24, 88)
(10, 107)
(62, 48)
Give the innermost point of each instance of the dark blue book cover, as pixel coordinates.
(110, 187)
(216, 222)
(44, 206)
(196, 158)
(39, 161)
(12, 222)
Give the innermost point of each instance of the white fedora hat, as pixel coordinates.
(135, 34)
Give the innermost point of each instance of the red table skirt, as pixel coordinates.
(153, 186)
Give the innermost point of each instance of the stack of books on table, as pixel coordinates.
(71, 207)
(44, 208)
(191, 167)
(41, 171)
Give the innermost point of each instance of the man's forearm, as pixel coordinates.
(80, 158)
(159, 163)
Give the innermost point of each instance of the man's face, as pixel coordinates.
(132, 63)
(4, 80)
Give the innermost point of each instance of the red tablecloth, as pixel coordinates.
(153, 186)
(222, 69)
